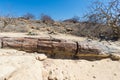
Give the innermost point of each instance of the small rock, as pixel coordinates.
(92, 65)
(40, 57)
(52, 78)
(69, 29)
(94, 77)
(115, 74)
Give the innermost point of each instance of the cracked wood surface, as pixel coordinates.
(58, 48)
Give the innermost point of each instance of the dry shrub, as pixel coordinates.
(75, 19)
(47, 19)
(27, 16)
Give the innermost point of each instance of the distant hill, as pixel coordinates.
(84, 29)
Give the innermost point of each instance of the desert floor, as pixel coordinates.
(20, 65)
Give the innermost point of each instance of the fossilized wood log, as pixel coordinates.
(55, 48)
(89, 50)
(65, 49)
(15, 43)
(52, 47)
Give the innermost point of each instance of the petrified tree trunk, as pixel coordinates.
(55, 48)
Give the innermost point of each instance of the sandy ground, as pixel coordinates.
(83, 70)
(58, 69)
(26, 66)
(45, 34)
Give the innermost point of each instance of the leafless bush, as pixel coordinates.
(7, 20)
(28, 16)
(107, 14)
(46, 19)
(75, 19)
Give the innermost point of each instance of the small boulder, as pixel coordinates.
(40, 57)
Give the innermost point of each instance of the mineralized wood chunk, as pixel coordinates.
(44, 46)
(64, 49)
(12, 42)
(30, 44)
(89, 50)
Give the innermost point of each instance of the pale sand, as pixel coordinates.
(105, 69)
(43, 34)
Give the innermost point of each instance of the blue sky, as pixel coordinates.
(57, 9)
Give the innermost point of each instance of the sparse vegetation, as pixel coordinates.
(107, 14)
(28, 16)
(101, 19)
(75, 19)
(46, 19)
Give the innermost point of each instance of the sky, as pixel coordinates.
(57, 9)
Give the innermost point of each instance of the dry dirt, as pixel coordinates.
(44, 34)
(19, 65)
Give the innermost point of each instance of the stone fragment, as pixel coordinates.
(40, 57)
(30, 44)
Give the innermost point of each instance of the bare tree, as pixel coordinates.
(28, 16)
(7, 19)
(75, 19)
(106, 13)
(46, 18)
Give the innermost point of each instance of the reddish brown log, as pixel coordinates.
(15, 43)
(45, 46)
(30, 44)
(64, 49)
(55, 48)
